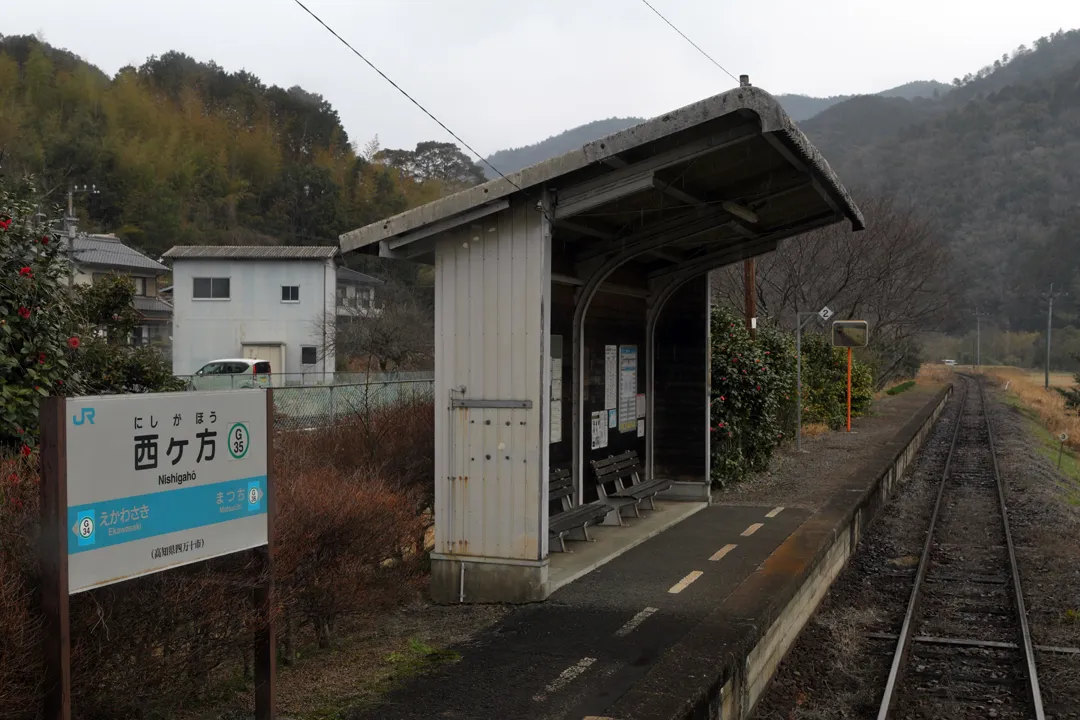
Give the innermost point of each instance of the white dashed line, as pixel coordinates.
(752, 529)
(567, 675)
(634, 622)
(685, 582)
(774, 512)
(719, 554)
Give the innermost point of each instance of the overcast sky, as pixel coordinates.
(505, 73)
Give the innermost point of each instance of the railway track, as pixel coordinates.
(964, 649)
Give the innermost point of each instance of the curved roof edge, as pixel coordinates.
(774, 120)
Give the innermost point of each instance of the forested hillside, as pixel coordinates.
(185, 152)
(995, 164)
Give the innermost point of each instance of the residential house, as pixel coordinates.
(355, 293)
(97, 256)
(276, 303)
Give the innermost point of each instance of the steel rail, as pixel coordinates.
(903, 645)
(1025, 630)
(906, 635)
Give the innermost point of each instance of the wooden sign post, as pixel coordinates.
(125, 516)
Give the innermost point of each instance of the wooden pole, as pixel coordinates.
(265, 665)
(849, 389)
(751, 295)
(54, 559)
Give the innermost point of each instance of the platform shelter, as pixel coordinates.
(572, 318)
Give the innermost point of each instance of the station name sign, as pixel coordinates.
(157, 481)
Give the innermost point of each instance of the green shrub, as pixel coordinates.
(55, 339)
(754, 392)
(825, 383)
(752, 395)
(902, 387)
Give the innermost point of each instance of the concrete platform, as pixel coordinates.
(689, 623)
(608, 542)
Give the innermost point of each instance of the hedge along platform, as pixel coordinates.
(572, 317)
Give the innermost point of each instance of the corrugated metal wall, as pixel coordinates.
(680, 376)
(492, 284)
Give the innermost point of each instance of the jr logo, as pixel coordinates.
(86, 415)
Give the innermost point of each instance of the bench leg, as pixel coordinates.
(585, 533)
(562, 544)
(637, 513)
(652, 505)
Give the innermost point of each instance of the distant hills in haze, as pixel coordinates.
(799, 107)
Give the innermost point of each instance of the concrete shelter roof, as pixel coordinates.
(737, 155)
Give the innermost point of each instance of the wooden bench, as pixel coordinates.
(579, 517)
(628, 476)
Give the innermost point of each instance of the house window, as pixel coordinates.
(205, 288)
(140, 286)
(290, 293)
(308, 354)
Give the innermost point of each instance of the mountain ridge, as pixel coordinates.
(799, 107)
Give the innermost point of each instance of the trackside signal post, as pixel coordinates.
(138, 484)
(849, 334)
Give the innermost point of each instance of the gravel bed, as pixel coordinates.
(1045, 526)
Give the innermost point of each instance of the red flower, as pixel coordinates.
(16, 503)
(25, 450)
(24, 313)
(41, 358)
(722, 398)
(26, 272)
(44, 239)
(73, 342)
(14, 477)
(720, 425)
(5, 223)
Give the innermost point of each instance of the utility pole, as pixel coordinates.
(1050, 295)
(750, 288)
(69, 221)
(978, 337)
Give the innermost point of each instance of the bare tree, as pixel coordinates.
(397, 332)
(892, 274)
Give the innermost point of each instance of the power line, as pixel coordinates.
(689, 40)
(410, 97)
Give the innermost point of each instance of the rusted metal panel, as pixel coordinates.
(492, 288)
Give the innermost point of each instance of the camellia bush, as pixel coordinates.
(753, 398)
(753, 386)
(55, 338)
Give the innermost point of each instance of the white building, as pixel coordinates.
(266, 302)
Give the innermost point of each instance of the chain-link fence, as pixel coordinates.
(302, 408)
(240, 381)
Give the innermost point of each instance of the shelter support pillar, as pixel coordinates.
(492, 395)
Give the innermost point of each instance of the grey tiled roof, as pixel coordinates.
(109, 251)
(252, 252)
(151, 305)
(357, 278)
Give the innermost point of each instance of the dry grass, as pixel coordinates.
(813, 430)
(935, 372)
(1047, 405)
